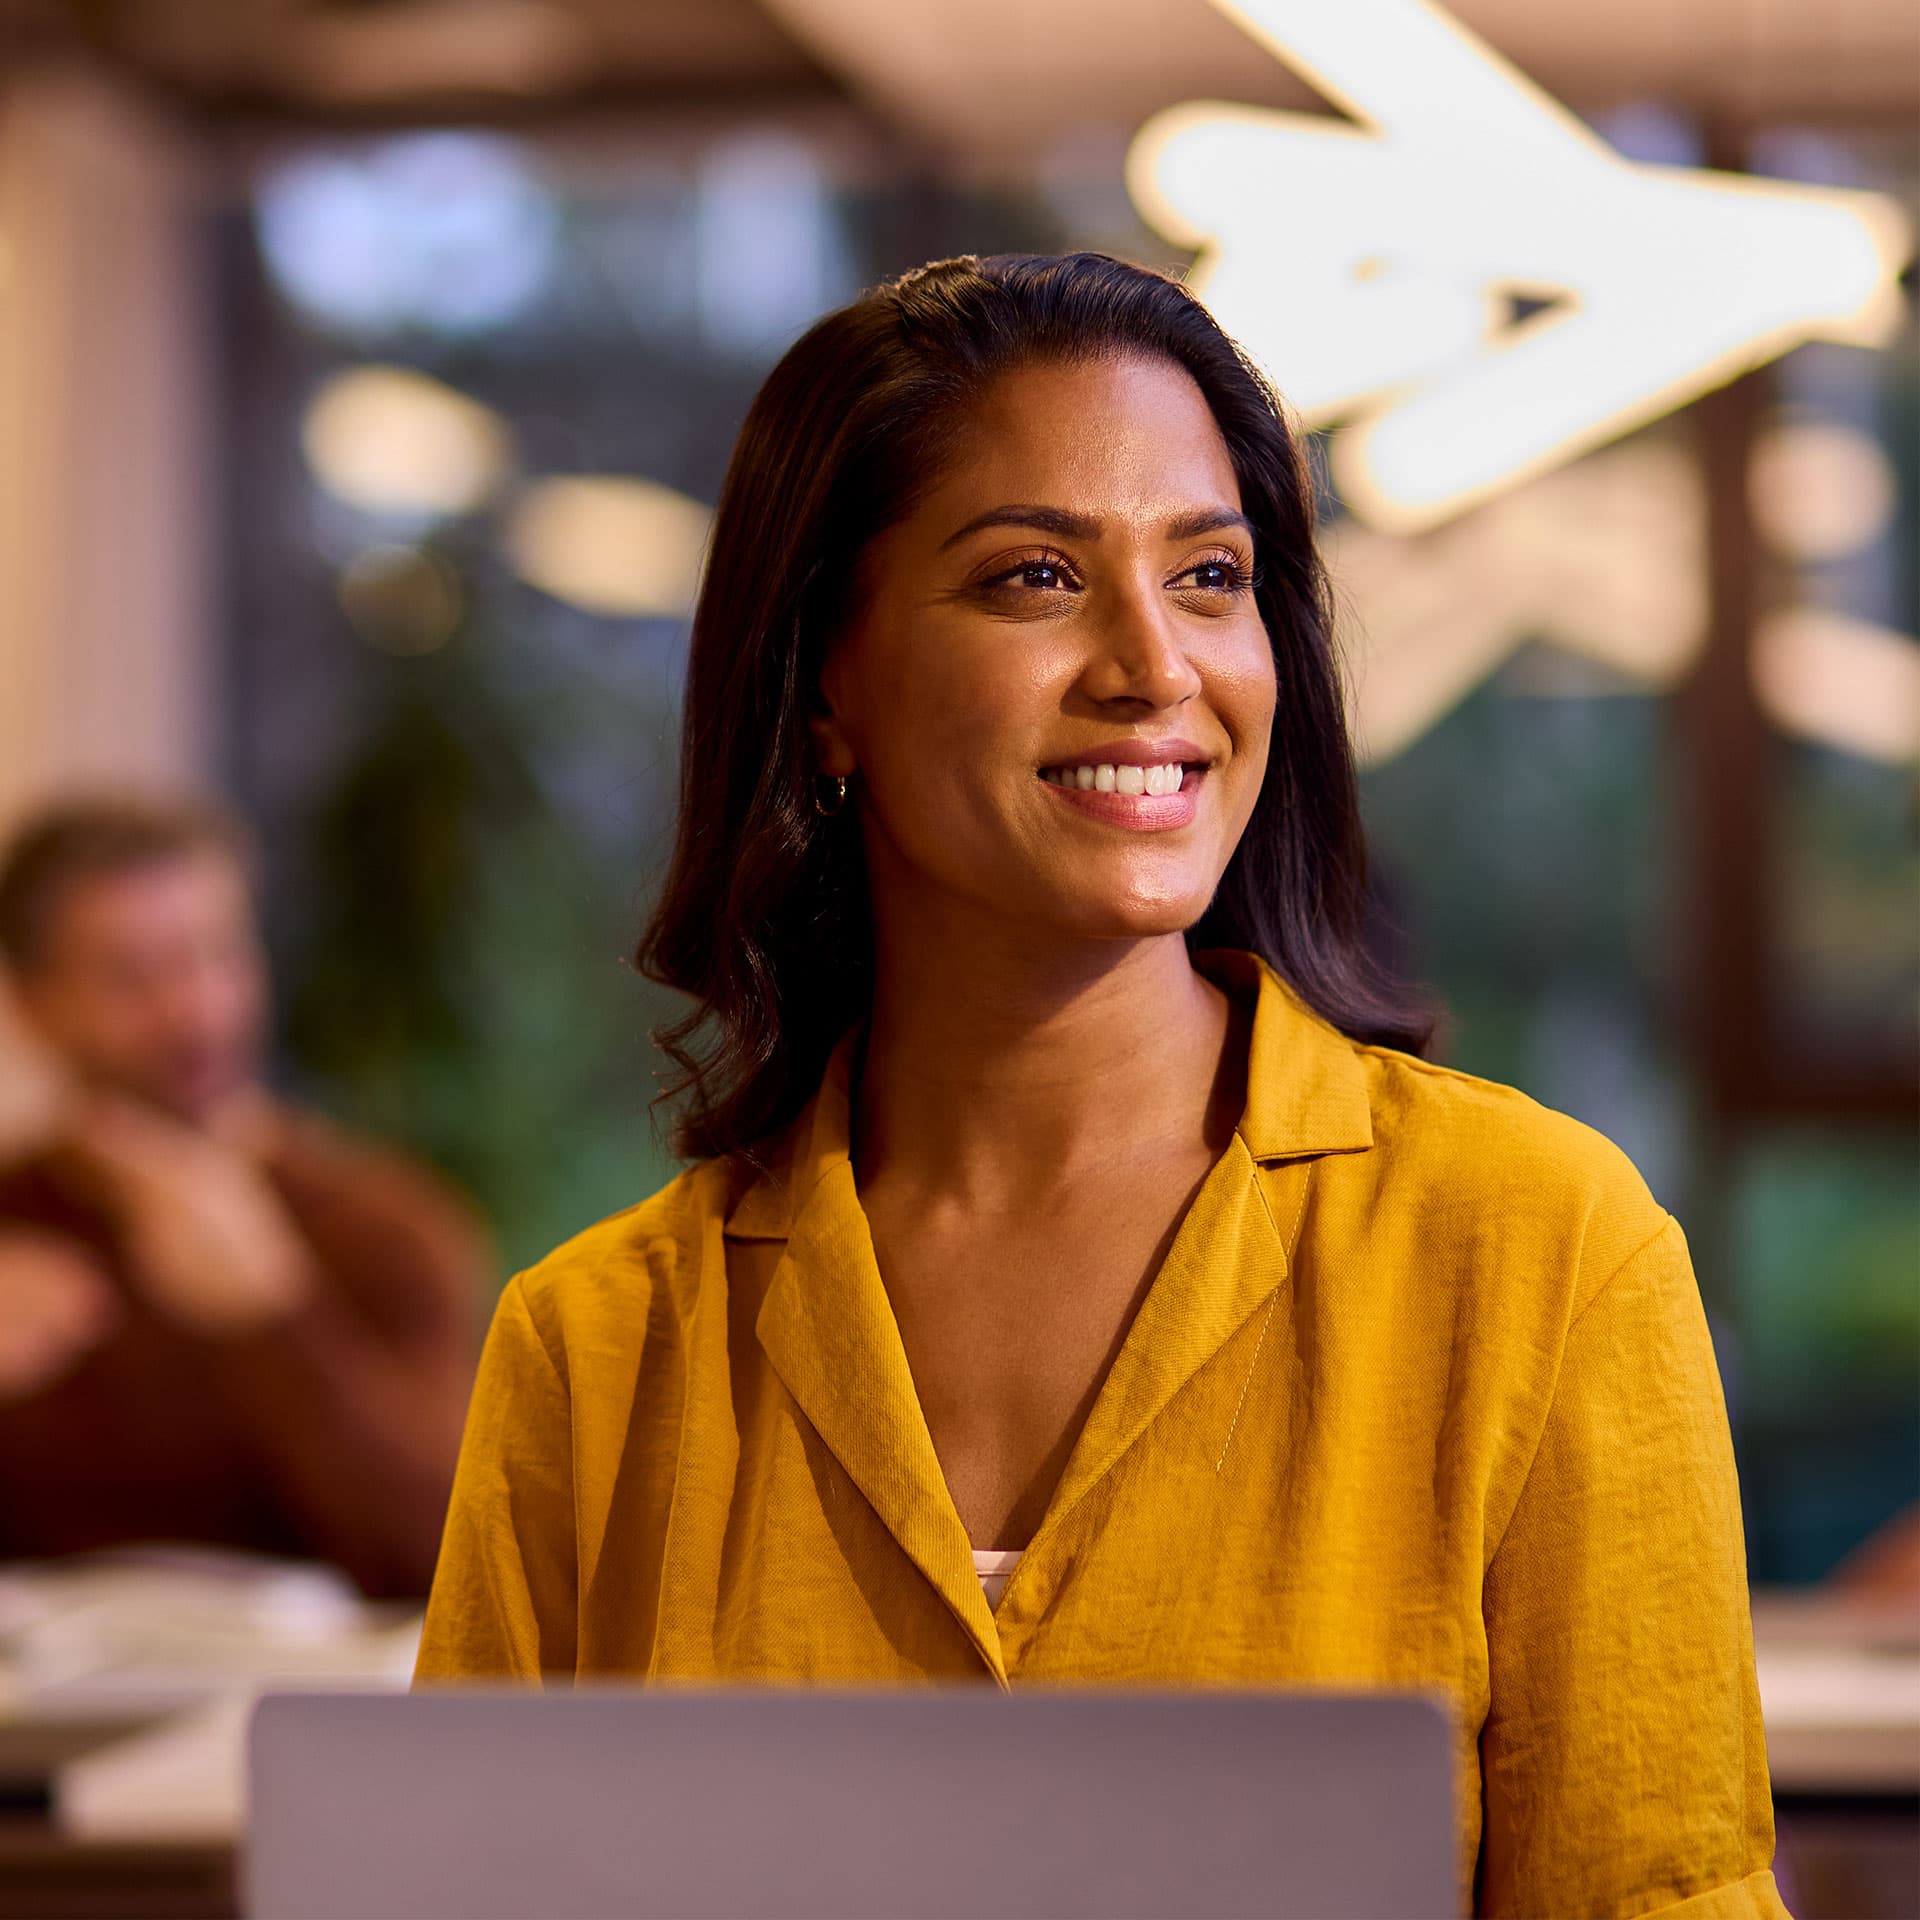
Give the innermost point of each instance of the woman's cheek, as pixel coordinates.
(1244, 697)
(931, 802)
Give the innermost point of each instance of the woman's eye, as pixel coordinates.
(1032, 576)
(1216, 576)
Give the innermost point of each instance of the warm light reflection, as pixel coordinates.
(394, 441)
(1368, 264)
(1845, 683)
(1819, 490)
(1605, 560)
(620, 547)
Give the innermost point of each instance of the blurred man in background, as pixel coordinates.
(221, 1319)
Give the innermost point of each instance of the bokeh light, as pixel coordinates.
(401, 599)
(623, 548)
(1819, 490)
(450, 232)
(390, 440)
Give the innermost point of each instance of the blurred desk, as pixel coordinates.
(83, 1835)
(125, 1685)
(45, 1875)
(1840, 1690)
(49, 1874)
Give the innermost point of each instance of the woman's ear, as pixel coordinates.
(832, 751)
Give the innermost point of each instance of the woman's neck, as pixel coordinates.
(1001, 1064)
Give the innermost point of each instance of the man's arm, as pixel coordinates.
(355, 1400)
(35, 1090)
(56, 1305)
(335, 1290)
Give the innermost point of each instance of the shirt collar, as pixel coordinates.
(1306, 1094)
(1306, 1082)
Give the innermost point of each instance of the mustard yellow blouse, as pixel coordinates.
(1423, 1396)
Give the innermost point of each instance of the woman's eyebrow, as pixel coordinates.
(1080, 526)
(1069, 526)
(1190, 526)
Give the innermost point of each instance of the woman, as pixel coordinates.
(1081, 1277)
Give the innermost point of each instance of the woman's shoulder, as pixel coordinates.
(605, 1283)
(1469, 1147)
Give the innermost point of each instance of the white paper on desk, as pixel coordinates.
(183, 1780)
(186, 1778)
(144, 1632)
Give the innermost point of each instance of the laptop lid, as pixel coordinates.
(790, 1803)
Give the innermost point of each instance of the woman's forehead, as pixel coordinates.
(1131, 436)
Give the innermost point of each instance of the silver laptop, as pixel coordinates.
(632, 1804)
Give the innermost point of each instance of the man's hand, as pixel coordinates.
(208, 1242)
(55, 1306)
(35, 1090)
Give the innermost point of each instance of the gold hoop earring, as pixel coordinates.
(837, 784)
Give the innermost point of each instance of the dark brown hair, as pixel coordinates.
(763, 915)
(72, 841)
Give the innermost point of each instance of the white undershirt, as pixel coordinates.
(995, 1567)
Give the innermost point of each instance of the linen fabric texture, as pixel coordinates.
(1423, 1397)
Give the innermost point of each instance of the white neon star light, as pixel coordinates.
(1369, 265)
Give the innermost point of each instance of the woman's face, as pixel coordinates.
(1057, 692)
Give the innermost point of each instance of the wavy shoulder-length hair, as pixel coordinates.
(763, 916)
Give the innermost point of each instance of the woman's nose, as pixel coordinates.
(1141, 654)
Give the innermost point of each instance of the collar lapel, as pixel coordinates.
(1306, 1083)
(828, 1329)
(1197, 1302)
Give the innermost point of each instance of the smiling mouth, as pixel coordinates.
(1104, 776)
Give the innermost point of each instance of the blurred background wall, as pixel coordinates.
(107, 387)
(366, 371)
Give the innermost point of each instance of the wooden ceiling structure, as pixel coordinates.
(986, 79)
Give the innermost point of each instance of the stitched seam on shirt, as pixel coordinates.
(1645, 1246)
(1540, 1438)
(1286, 1248)
(1299, 1212)
(1266, 1322)
(1438, 1070)
(548, 1344)
(518, 1284)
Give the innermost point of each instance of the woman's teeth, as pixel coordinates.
(1107, 778)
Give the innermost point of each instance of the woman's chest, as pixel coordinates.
(1262, 1524)
(1010, 1327)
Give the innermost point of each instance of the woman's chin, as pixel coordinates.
(1124, 916)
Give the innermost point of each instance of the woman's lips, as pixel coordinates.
(1139, 812)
